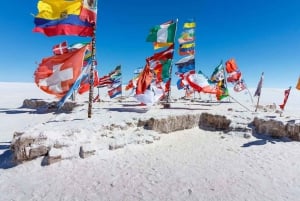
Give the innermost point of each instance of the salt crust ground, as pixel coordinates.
(186, 165)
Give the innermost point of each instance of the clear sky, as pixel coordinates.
(261, 35)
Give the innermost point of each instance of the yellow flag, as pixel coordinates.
(189, 25)
(161, 45)
(53, 10)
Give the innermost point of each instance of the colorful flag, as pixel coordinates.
(163, 55)
(298, 84)
(199, 82)
(150, 95)
(234, 75)
(89, 11)
(218, 74)
(56, 74)
(189, 24)
(85, 81)
(286, 96)
(186, 36)
(60, 48)
(187, 49)
(239, 86)
(163, 33)
(144, 80)
(186, 66)
(161, 45)
(61, 17)
(115, 91)
(76, 86)
(259, 86)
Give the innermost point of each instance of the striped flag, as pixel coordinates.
(163, 33)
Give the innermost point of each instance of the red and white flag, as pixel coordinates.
(286, 96)
(56, 74)
(60, 48)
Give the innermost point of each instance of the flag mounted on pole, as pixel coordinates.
(286, 96)
(56, 74)
(259, 86)
(61, 17)
(162, 35)
(258, 89)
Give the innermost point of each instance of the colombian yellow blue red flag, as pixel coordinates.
(62, 17)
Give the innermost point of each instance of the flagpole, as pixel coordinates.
(167, 104)
(91, 80)
(259, 88)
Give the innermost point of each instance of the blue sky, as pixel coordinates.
(261, 35)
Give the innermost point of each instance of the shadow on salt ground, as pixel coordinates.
(136, 110)
(23, 110)
(186, 108)
(16, 111)
(264, 139)
(6, 158)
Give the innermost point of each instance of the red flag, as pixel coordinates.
(60, 48)
(231, 66)
(239, 86)
(144, 80)
(286, 95)
(89, 11)
(56, 75)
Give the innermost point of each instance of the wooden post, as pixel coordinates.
(91, 80)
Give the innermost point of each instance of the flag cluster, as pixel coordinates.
(153, 83)
(234, 75)
(113, 82)
(186, 65)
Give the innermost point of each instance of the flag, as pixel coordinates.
(163, 55)
(163, 33)
(60, 48)
(115, 91)
(187, 49)
(85, 81)
(231, 66)
(56, 74)
(151, 95)
(199, 82)
(160, 63)
(234, 75)
(161, 45)
(61, 17)
(218, 74)
(239, 86)
(89, 11)
(189, 24)
(144, 80)
(286, 96)
(186, 66)
(259, 86)
(298, 84)
(186, 36)
(76, 86)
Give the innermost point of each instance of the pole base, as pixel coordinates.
(167, 105)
